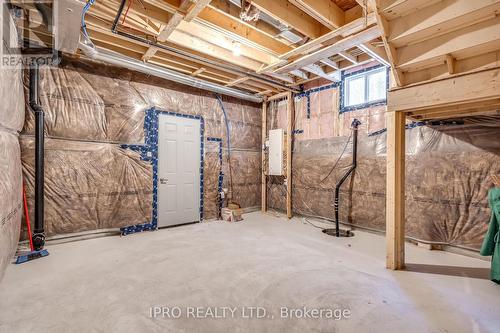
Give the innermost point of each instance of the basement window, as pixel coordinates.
(364, 89)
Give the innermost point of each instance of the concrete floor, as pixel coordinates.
(110, 284)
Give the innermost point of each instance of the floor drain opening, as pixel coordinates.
(342, 232)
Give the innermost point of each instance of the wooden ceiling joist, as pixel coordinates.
(346, 55)
(483, 36)
(236, 26)
(213, 32)
(324, 11)
(441, 18)
(326, 52)
(335, 35)
(317, 70)
(376, 53)
(289, 14)
(196, 9)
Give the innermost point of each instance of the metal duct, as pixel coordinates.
(133, 64)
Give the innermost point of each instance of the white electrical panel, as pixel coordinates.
(276, 138)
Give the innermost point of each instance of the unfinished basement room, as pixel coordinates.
(250, 166)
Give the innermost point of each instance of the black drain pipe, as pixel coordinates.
(354, 127)
(38, 232)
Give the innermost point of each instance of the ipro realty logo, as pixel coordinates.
(28, 33)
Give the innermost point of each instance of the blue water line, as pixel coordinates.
(85, 10)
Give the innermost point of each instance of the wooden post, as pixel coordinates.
(264, 137)
(289, 135)
(395, 200)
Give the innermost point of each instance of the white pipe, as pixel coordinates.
(133, 64)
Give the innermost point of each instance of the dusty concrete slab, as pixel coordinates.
(110, 284)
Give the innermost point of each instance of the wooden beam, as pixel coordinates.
(217, 39)
(462, 110)
(347, 56)
(344, 31)
(399, 8)
(226, 9)
(440, 18)
(300, 74)
(479, 38)
(102, 30)
(263, 157)
(195, 9)
(150, 52)
(317, 70)
(389, 49)
(330, 63)
(198, 71)
(238, 81)
(172, 24)
(324, 11)
(289, 137)
(278, 96)
(234, 26)
(197, 44)
(395, 197)
(455, 90)
(376, 53)
(342, 45)
(362, 3)
(290, 15)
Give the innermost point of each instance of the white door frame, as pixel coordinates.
(198, 182)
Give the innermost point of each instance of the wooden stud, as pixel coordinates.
(450, 63)
(263, 156)
(395, 196)
(289, 136)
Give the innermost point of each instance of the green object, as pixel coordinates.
(491, 243)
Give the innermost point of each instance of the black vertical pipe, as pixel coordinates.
(118, 15)
(354, 126)
(38, 230)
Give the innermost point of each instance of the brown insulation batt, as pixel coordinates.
(90, 186)
(11, 208)
(11, 121)
(448, 172)
(89, 102)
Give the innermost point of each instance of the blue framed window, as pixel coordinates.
(364, 88)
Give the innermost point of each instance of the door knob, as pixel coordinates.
(163, 180)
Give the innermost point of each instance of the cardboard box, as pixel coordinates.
(231, 215)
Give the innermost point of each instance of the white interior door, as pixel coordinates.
(178, 170)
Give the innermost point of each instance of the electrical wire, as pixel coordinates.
(126, 12)
(338, 159)
(85, 10)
